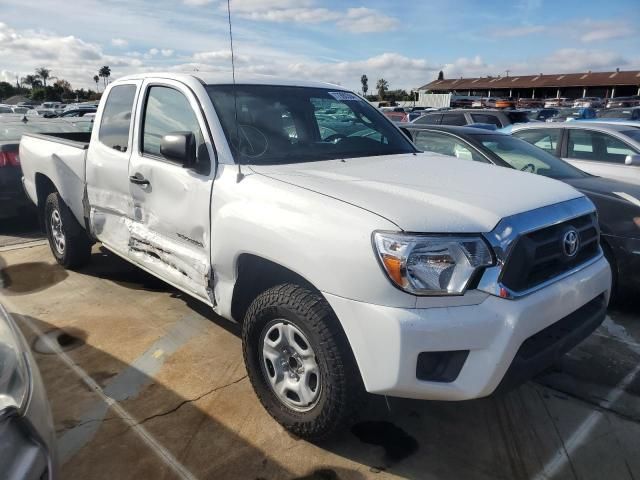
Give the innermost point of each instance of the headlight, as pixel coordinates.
(431, 265)
(14, 372)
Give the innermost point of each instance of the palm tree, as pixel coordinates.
(31, 80)
(105, 73)
(365, 84)
(44, 74)
(96, 79)
(382, 86)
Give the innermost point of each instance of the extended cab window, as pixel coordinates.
(168, 111)
(116, 118)
(486, 118)
(592, 145)
(432, 119)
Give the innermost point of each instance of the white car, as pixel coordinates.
(352, 261)
(609, 150)
(588, 102)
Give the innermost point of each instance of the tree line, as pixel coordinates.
(42, 85)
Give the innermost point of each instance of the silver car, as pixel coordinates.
(27, 435)
(608, 150)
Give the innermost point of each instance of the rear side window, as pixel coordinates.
(433, 119)
(592, 145)
(544, 138)
(485, 118)
(168, 111)
(116, 118)
(453, 119)
(5, 110)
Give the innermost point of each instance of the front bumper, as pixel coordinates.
(387, 341)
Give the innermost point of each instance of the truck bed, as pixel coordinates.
(73, 139)
(59, 157)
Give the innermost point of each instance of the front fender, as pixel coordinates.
(324, 240)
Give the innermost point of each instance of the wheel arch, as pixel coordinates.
(44, 187)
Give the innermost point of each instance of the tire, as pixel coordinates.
(616, 293)
(299, 313)
(69, 243)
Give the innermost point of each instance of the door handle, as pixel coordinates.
(138, 179)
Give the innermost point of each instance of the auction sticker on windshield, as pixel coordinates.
(345, 96)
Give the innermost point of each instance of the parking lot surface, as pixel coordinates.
(145, 382)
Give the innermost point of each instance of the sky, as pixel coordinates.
(405, 42)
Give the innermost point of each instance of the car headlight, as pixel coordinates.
(14, 371)
(431, 265)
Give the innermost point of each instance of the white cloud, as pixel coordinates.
(119, 42)
(365, 20)
(593, 31)
(153, 51)
(579, 60)
(354, 20)
(197, 3)
(584, 30)
(167, 52)
(518, 31)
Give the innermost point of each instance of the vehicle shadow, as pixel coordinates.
(20, 228)
(530, 432)
(151, 432)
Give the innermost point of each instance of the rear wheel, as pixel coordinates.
(299, 361)
(69, 243)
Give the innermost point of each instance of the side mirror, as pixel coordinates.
(179, 147)
(632, 160)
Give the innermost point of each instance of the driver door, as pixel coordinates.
(170, 228)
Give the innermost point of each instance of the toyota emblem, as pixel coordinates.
(570, 243)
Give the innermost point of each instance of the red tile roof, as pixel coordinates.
(585, 79)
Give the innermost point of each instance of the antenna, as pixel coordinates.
(240, 176)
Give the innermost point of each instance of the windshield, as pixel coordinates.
(526, 157)
(615, 114)
(279, 124)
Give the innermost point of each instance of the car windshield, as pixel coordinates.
(281, 124)
(526, 157)
(615, 114)
(14, 130)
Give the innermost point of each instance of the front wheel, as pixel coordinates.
(69, 243)
(299, 361)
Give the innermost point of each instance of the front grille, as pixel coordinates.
(539, 256)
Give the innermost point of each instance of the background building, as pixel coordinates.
(570, 85)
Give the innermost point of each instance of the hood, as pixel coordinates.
(426, 192)
(618, 204)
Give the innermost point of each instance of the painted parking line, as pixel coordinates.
(120, 392)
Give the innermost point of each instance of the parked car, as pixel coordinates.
(557, 102)
(430, 291)
(12, 196)
(607, 150)
(13, 109)
(397, 116)
(530, 103)
(499, 118)
(27, 434)
(505, 103)
(618, 203)
(567, 114)
(632, 113)
(623, 102)
(542, 114)
(80, 112)
(588, 102)
(461, 102)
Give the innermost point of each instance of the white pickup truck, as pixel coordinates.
(353, 261)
